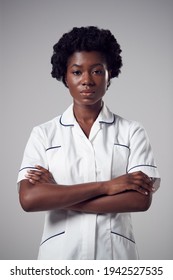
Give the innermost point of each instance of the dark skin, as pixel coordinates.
(87, 78)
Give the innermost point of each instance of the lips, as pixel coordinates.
(87, 92)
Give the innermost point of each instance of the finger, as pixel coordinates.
(33, 182)
(140, 174)
(48, 179)
(46, 174)
(142, 183)
(137, 181)
(42, 169)
(33, 176)
(148, 183)
(34, 172)
(41, 175)
(139, 189)
(137, 173)
(142, 190)
(143, 180)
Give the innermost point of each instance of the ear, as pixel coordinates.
(108, 84)
(65, 80)
(109, 75)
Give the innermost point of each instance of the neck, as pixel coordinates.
(87, 114)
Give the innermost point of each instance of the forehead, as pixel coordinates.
(86, 58)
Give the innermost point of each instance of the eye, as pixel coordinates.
(76, 72)
(98, 72)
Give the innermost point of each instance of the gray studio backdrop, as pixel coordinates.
(29, 96)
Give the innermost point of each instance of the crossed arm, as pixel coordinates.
(127, 193)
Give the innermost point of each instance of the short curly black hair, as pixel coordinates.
(89, 38)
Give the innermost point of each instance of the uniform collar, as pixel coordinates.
(105, 116)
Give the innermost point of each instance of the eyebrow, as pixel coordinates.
(93, 65)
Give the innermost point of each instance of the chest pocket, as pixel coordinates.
(120, 160)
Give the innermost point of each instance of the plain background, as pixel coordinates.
(29, 96)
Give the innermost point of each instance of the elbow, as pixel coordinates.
(25, 198)
(146, 202)
(25, 202)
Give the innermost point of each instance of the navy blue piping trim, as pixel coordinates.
(123, 236)
(122, 145)
(55, 147)
(64, 124)
(52, 237)
(30, 167)
(142, 165)
(108, 122)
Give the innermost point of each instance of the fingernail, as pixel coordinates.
(146, 193)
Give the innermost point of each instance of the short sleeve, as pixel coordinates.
(34, 153)
(141, 156)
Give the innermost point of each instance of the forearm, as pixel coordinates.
(127, 193)
(130, 201)
(46, 196)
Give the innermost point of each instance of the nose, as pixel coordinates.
(87, 79)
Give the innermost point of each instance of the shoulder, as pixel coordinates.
(122, 125)
(51, 124)
(66, 119)
(47, 129)
(126, 130)
(125, 124)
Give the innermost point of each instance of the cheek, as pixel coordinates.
(103, 85)
(71, 82)
(72, 87)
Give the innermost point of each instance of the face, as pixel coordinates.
(87, 77)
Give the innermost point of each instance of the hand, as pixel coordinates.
(136, 181)
(40, 175)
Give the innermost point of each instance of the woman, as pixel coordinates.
(88, 168)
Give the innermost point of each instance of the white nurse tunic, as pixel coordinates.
(115, 146)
